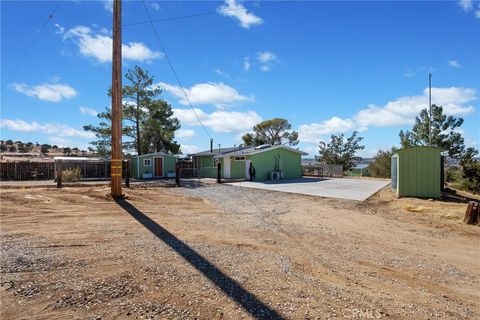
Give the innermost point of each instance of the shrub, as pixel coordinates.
(71, 175)
(453, 174)
(382, 162)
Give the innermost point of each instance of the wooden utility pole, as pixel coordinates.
(116, 164)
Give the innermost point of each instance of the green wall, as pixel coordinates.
(168, 164)
(419, 172)
(264, 163)
(237, 169)
(207, 167)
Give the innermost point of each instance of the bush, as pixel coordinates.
(453, 174)
(382, 163)
(71, 175)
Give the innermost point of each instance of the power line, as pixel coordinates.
(50, 16)
(194, 15)
(173, 71)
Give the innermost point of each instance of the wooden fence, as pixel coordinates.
(322, 170)
(26, 170)
(36, 170)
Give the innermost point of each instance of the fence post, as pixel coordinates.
(59, 173)
(127, 173)
(219, 170)
(177, 174)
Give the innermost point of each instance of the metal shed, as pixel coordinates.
(417, 172)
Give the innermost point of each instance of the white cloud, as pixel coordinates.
(221, 73)
(61, 130)
(187, 149)
(89, 111)
(466, 5)
(404, 109)
(214, 93)
(454, 63)
(108, 5)
(46, 91)
(99, 46)
(311, 133)
(60, 29)
(246, 63)
(267, 60)
(401, 111)
(237, 11)
(266, 57)
(410, 73)
(219, 121)
(155, 6)
(185, 133)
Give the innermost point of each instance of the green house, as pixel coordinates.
(270, 162)
(417, 172)
(153, 165)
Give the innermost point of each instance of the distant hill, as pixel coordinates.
(10, 148)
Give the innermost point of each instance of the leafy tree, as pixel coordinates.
(159, 129)
(471, 170)
(382, 163)
(54, 146)
(67, 151)
(3, 147)
(9, 142)
(443, 133)
(44, 148)
(274, 132)
(138, 95)
(340, 151)
(12, 148)
(147, 121)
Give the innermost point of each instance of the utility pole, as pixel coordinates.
(116, 164)
(430, 109)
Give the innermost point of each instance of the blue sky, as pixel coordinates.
(327, 67)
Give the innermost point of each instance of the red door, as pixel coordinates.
(158, 167)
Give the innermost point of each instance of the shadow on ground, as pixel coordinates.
(248, 301)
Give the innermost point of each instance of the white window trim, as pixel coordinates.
(147, 165)
(240, 159)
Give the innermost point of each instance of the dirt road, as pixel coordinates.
(223, 252)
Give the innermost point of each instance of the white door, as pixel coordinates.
(226, 167)
(247, 167)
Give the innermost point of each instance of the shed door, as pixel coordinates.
(158, 167)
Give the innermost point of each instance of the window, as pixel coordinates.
(239, 158)
(147, 162)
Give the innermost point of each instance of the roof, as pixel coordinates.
(412, 148)
(217, 151)
(160, 153)
(247, 151)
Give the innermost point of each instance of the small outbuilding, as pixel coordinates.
(153, 165)
(418, 172)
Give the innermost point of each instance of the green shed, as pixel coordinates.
(153, 165)
(417, 172)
